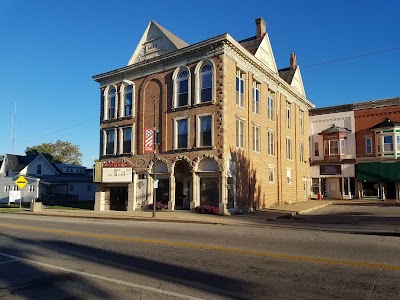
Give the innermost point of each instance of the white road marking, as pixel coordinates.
(130, 284)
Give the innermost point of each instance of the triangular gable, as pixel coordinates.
(265, 54)
(156, 41)
(297, 82)
(47, 168)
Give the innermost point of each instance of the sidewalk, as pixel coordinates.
(255, 218)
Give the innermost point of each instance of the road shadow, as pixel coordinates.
(169, 273)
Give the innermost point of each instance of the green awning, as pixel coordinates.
(378, 172)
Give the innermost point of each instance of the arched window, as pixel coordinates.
(111, 103)
(183, 88)
(206, 82)
(128, 100)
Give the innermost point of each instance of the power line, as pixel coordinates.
(351, 57)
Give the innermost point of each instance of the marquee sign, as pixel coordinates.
(117, 175)
(117, 164)
(330, 170)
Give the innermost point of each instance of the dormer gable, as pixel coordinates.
(156, 41)
(292, 75)
(38, 167)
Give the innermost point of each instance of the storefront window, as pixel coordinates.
(209, 191)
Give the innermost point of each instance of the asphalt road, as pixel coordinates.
(68, 258)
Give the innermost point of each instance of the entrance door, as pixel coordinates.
(182, 189)
(390, 190)
(118, 198)
(332, 192)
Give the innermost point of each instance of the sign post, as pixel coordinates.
(21, 182)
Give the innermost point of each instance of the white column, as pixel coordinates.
(132, 192)
(115, 141)
(348, 187)
(223, 194)
(171, 202)
(343, 192)
(195, 199)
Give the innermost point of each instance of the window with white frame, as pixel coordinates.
(256, 138)
(182, 89)
(206, 83)
(110, 141)
(7, 188)
(240, 133)
(316, 149)
(398, 142)
(127, 140)
(301, 121)
(331, 147)
(288, 148)
(256, 98)
(240, 88)
(342, 146)
(271, 142)
(128, 100)
(204, 130)
(368, 145)
(288, 114)
(289, 175)
(15, 188)
(387, 143)
(301, 152)
(271, 173)
(271, 105)
(111, 103)
(31, 188)
(378, 144)
(181, 133)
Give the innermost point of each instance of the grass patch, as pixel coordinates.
(11, 210)
(85, 205)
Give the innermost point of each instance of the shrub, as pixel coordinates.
(207, 209)
(159, 206)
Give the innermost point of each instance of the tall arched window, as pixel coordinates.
(128, 100)
(183, 88)
(206, 82)
(111, 103)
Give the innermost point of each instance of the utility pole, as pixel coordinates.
(155, 159)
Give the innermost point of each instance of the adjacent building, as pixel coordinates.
(231, 128)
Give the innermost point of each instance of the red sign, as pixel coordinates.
(117, 164)
(149, 140)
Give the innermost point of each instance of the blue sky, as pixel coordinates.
(50, 50)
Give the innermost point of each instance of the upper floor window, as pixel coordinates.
(302, 152)
(301, 121)
(181, 86)
(288, 148)
(110, 138)
(316, 149)
(204, 129)
(206, 81)
(331, 147)
(181, 133)
(111, 101)
(128, 100)
(240, 88)
(256, 98)
(39, 169)
(127, 140)
(288, 114)
(271, 173)
(240, 133)
(271, 105)
(368, 145)
(256, 138)
(271, 142)
(388, 143)
(342, 146)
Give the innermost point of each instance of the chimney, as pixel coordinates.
(261, 28)
(293, 61)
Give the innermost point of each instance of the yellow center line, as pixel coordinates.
(335, 262)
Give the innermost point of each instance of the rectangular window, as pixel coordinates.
(127, 140)
(301, 121)
(398, 143)
(239, 88)
(271, 105)
(71, 188)
(368, 145)
(256, 138)
(39, 169)
(7, 188)
(256, 98)
(333, 147)
(182, 133)
(271, 142)
(204, 130)
(110, 142)
(271, 173)
(289, 175)
(31, 188)
(342, 146)
(301, 152)
(239, 133)
(288, 148)
(316, 149)
(378, 144)
(15, 188)
(388, 143)
(288, 107)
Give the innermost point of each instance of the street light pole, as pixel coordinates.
(154, 157)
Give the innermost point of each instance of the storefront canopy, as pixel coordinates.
(378, 172)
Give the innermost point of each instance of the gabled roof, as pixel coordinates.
(334, 129)
(251, 44)
(386, 124)
(287, 74)
(18, 162)
(156, 41)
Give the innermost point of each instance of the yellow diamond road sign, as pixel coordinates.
(21, 182)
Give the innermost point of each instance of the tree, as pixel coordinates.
(58, 152)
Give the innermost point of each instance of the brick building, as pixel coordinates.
(232, 129)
